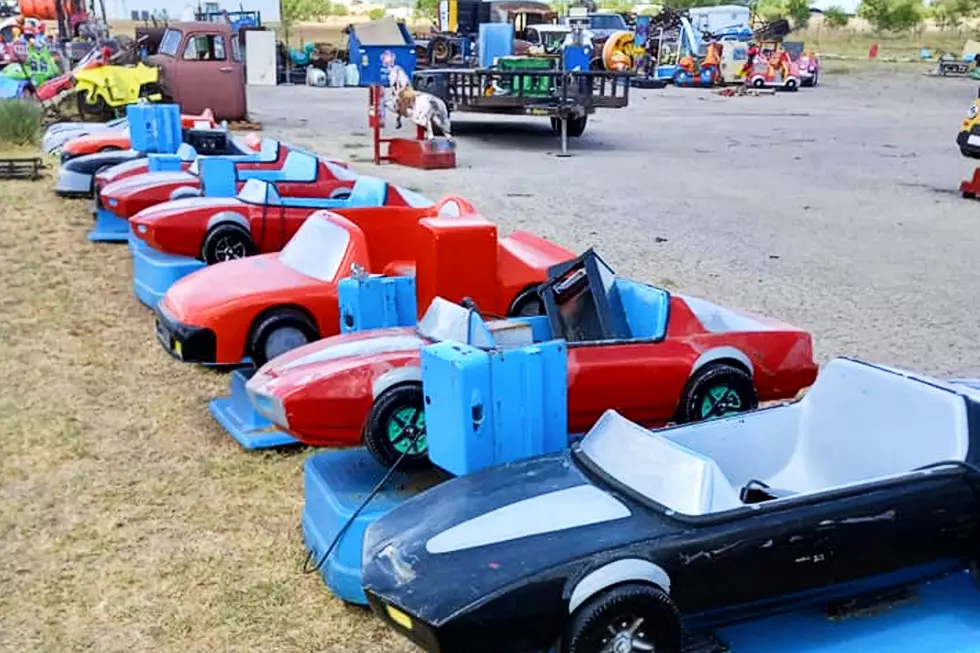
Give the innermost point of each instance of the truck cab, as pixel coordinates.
(201, 68)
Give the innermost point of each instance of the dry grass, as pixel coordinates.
(130, 521)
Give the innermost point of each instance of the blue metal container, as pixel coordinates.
(372, 59)
(155, 127)
(376, 302)
(496, 40)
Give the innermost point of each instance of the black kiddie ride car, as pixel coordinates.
(612, 546)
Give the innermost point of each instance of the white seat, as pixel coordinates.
(860, 422)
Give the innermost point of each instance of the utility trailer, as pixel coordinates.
(567, 98)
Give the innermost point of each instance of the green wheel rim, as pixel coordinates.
(403, 425)
(720, 401)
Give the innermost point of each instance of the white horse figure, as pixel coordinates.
(424, 109)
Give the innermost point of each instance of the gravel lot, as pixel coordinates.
(833, 208)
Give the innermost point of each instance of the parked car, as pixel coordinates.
(969, 137)
(777, 71)
(262, 306)
(201, 66)
(654, 356)
(868, 482)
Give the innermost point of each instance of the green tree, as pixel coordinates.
(376, 13)
(294, 11)
(835, 18)
(427, 9)
(892, 15)
(772, 9)
(798, 11)
(949, 14)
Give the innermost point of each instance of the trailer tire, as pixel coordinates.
(576, 126)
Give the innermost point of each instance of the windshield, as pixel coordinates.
(657, 468)
(317, 249)
(170, 43)
(607, 22)
(444, 320)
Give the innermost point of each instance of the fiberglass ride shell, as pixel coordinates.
(60, 133)
(261, 306)
(868, 482)
(76, 176)
(113, 140)
(260, 220)
(969, 137)
(677, 358)
(296, 173)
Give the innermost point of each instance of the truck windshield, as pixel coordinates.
(317, 249)
(170, 43)
(610, 21)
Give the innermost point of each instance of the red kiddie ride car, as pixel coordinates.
(111, 140)
(297, 174)
(653, 356)
(259, 219)
(261, 306)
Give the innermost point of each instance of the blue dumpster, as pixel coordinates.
(376, 45)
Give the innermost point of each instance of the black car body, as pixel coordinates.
(76, 176)
(868, 481)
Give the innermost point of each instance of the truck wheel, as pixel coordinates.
(226, 241)
(576, 126)
(527, 304)
(96, 107)
(631, 617)
(716, 390)
(758, 82)
(791, 85)
(397, 417)
(279, 331)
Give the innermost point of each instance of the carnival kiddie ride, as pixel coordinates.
(297, 174)
(255, 308)
(146, 132)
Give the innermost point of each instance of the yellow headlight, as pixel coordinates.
(399, 617)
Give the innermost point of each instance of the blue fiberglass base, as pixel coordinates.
(154, 271)
(335, 484)
(235, 414)
(942, 616)
(109, 228)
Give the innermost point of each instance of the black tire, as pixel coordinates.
(226, 241)
(969, 195)
(758, 82)
(384, 416)
(576, 126)
(527, 303)
(715, 387)
(98, 108)
(279, 331)
(791, 85)
(647, 612)
(150, 89)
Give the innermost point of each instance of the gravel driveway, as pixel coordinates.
(833, 208)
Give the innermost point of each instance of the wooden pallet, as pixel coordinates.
(24, 168)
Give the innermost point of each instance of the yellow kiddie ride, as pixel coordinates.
(969, 141)
(103, 90)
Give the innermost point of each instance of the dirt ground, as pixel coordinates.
(130, 522)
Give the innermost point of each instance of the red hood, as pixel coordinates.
(338, 352)
(186, 206)
(122, 170)
(148, 181)
(247, 283)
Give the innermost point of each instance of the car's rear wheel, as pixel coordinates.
(279, 331)
(791, 85)
(717, 390)
(758, 82)
(396, 428)
(627, 618)
(226, 241)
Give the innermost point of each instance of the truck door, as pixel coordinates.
(211, 76)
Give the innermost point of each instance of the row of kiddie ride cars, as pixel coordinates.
(455, 371)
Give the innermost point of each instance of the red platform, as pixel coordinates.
(971, 187)
(434, 154)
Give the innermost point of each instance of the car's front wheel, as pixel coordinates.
(279, 331)
(527, 304)
(226, 241)
(395, 428)
(716, 390)
(635, 617)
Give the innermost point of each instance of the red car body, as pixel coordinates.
(118, 139)
(180, 227)
(323, 393)
(127, 197)
(220, 314)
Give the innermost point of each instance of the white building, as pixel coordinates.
(184, 9)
